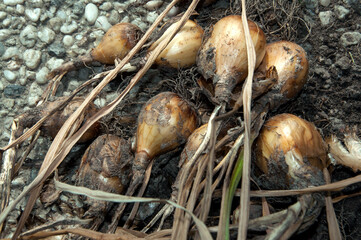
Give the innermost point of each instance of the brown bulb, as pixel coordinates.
(223, 55)
(164, 123)
(116, 43)
(290, 152)
(291, 64)
(182, 51)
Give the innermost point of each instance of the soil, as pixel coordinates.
(331, 99)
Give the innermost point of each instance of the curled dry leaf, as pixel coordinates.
(223, 55)
(181, 52)
(349, 154)
(52, 125)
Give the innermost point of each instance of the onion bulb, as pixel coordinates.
(291, 153)
(164, 123)
(182, 50)
(116, 43)
(104, 166)
(223, 55)
(291, 64)
(52, 125)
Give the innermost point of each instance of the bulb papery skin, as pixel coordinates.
(291, 64)
(182, 51)
(106, 165)
(290, 152)
(223, 55)
(116, 43)
(164, 123)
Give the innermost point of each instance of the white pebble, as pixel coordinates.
(91, 13)
(20, 9)
(41, 76)
(13, 65)
(140, 23)
(6, 22)
(11, 52)
(13, 2)
(68, 40)
(153, 5)
(28, 36)
(69, 28)
(33, 14)
(53, 63)
(102, 23)
(10, 76)
(32, 58)
(2, 15)
(106, 6)
(35, 93)
(1, 85)
(151, 17)
(4, 34)
(46, 35)
(174, 11)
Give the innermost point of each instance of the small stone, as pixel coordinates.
(28, 36)
(69, 28)
(2, 15)
(153, 5)
(311, 4)
(41, 76)
(102, 23)
(46, 35)
(13, 91)
(91, 13)
(140, 23)
(36, 3)
(11, 52)
(2, 49)
(13, 2)
(68, 40)
(114, 17)
(32, 58)
(56, 50)
(13, 65)
(173, 11)
(4, 34)
(20, 9)
(1, 84)
(341, 12)
(10, 76)
(62, 15)
(73, 84)
(350, 38)
(326, 17)
(343, 63)
(78, 8)
(35, 93)
(325, 3)
(55, 23)
(97, 1)
(106, 6)
(151, 17)
(9, 103)
(323, 73)
(33, 14)
(53, 63)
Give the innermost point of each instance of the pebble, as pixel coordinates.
(153, 5)
(69, 28)
(102, 23)
(10, 76)
(7, 22)
(32, 58)
(13, 91)
(28, 36)
(114, 17)
(325, 3)
(13, 65)
(12, 52)
(151, 17)
(2, 15)
(326, 17)
(140, 23)
(13, 2)
(78, 8)
(33, 14)
(53, 63)
(20, 9)
(56, 50)
(9, 103)
(350, 38)
(1, 85)
(91, 13)
(36, 3)
(55, 23)
(68, 40)
(97, 1)
(343, 63)
(46, 35)
(173, 11)
(341, 12)
(34, 95)
(4, 34)
(107, 6)
(41, 76)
